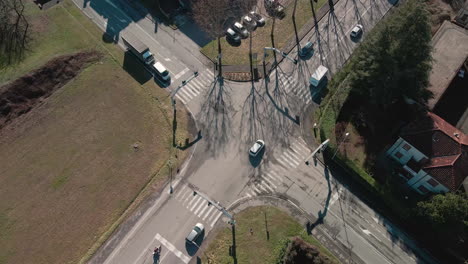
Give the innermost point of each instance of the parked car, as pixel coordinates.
(258, 18)
(231, 35)
(256, 148)
(279, 11)
(240, 29)
(161, 71)
(249, 23)
(197, 230)
(357, 31)
(306, 49)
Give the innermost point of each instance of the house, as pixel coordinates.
(433, 155)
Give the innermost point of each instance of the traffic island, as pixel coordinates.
(263, 234)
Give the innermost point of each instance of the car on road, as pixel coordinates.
(258, 18)
(161, 71)
(357, 31)
(249, 23)
(232, 36)
(197, 230)
(306, 49)
(256, 148)
(241, 30)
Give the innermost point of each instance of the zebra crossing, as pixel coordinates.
(292, 85)
(197, 205)
(195, 86)
(271, 179)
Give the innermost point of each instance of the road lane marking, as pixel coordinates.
(203, 203)
(256, 190)
(193, 199)
(216, 219)
(198, 199)
(265, 183)
(208, 213)
(269, 182)
(181, 191)
(172, 248)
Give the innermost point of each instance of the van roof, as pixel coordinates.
(159, 67)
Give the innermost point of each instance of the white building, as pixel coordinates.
(433, 155)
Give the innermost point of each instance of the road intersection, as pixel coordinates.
(230, 118)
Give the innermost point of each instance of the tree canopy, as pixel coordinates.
(13, 31)
(447, 214)
(395, 61)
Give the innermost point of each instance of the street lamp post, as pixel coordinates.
(337, 148)
(285, 55)
(217, 206)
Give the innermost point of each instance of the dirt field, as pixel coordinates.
(77, 160)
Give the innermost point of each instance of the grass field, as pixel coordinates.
(68, 168)
(284, 31)
(257, 248)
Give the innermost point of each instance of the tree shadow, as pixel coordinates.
(215, 116)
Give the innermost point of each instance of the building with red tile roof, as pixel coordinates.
(433, 155)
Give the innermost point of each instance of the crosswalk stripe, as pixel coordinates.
(288, 158)
(172, 248)
(293, 154)
(216, 219)
(191, 202)
(180, 98)
(285, 162)
(188, 196)
(208, 212)
(184, 197)
(261, 187)
(203, 210)
(256, 190)
(300, 148)
(196, 85)
(269, 181)
(204, 79)
(184, 93)
(191, 91)
(275, 175)
(308, 100)
(298, 151)
(265, 183)
(198, 205)
(209, 73)
(181, 191)
(248, 195)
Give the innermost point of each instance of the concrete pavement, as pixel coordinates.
(231, 116)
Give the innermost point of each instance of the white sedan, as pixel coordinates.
(357, 31)
(256, 148)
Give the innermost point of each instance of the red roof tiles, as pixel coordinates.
(444, 145)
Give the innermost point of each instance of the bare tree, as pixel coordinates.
(13, 31)
(213, 15)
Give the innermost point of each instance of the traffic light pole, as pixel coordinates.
(217, 206)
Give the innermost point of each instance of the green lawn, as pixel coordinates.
(257, 248)
(284, 31)
(69, 170)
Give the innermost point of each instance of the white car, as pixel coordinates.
(357, 31)
(240, 29)
(197, 230)
(256, 148)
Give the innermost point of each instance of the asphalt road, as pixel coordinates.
(230, 118)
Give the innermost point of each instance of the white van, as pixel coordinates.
(161, 71)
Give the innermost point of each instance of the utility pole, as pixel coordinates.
(338, 147)
(216, 205)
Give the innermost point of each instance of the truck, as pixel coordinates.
(139, 49)
(318, 76)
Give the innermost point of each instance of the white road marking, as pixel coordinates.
(191, 201)
(256, 190)
(188, 196)
(185, 93)
(286, 163)
(216, 219)
(261, 187)
(203, 203)
(180, 98)
(201, 212)
(167, 59)
(269, 182)
(177, 76)
(265, 183)
(295, 155)
(275, 175)
(288, 157)
(180, 192)
(248, 195)
(172, 248)
(208, 212)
